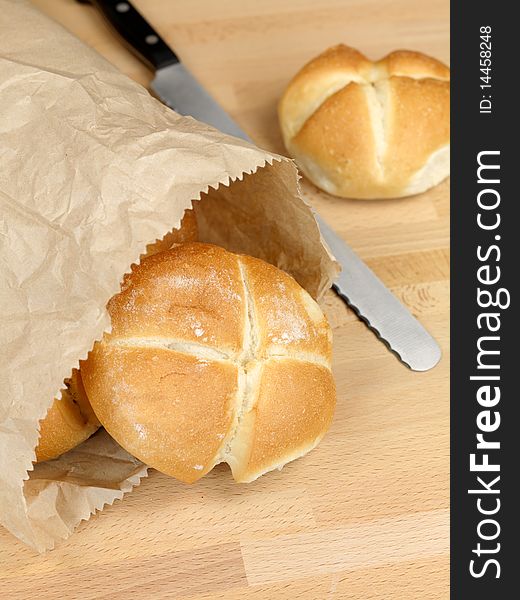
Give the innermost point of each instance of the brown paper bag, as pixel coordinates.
(92, 170)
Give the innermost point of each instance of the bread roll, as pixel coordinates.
(213, 357)
(69, 421)
(364, 129)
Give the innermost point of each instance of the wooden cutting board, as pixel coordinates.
(365, 515)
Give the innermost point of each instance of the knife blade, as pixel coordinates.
(375, 304)
(357, 285)
(177, 88)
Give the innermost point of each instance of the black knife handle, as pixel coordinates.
(136, 31)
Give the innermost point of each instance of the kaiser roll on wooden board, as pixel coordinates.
(71, 420)
(213, 357)
(364, 129)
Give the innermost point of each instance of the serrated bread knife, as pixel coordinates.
(357, 285)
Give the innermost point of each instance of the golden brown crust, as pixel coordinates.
(317, 80)
(178, 398)
(293, 409)
(351, 156)
(418, 127)
(406, 63)
(286, 319)
(69, 421)
(170, 409)
(369, 129)
(183, 294)
(339, 57)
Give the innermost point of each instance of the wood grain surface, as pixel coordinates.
(365, 515)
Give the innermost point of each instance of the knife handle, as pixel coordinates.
(136, 32)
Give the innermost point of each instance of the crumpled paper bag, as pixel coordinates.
(92, 170)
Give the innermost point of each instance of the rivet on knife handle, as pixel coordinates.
(135, 30)
(375, 304)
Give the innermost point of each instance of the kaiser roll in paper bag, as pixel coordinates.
(93, 170)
